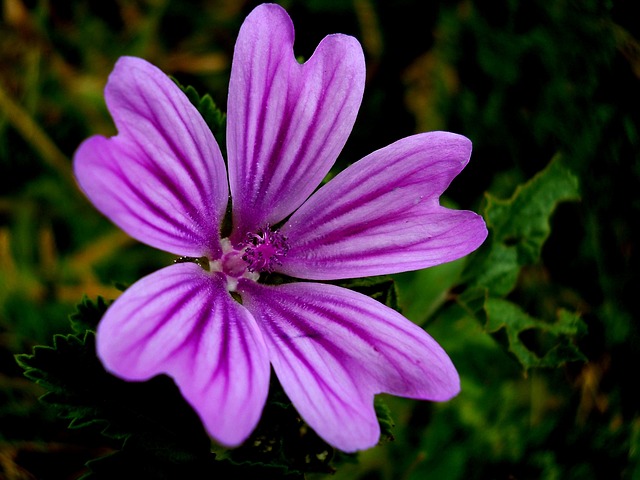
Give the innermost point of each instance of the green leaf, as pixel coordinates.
(534, 342)
(215, 118)
(88, 314)
(384, 419)
(523, 220)
(82, 391)
(519, 226)
(423, 291)
(381, 288)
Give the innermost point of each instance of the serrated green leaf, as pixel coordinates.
(49, 366)
(519, 226)
(80, 390)
(523, 220)
(88, 314)
(500, 269)
(558, 336)
(215, 118)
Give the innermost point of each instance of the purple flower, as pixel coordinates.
(217, 330)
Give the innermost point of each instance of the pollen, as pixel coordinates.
(264, 249)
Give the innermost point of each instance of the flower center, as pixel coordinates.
(259, 252)
(264, 249)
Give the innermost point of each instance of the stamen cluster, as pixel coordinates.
(264, 249)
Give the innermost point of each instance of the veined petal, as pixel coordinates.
(333, 349)
(287, 122)
(381, 215)
(162, 179)
(181, 321)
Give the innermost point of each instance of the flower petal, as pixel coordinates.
(162, 179)
(181, 321)
(287, 122)
(333, 349)
(381, 215)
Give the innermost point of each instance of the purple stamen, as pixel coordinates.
(264, 249)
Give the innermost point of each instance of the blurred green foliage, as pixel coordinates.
(541, 322)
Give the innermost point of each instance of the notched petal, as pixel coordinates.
(333, 349)
(181, 321)
(287, 122)
(162, 179)
(382, 214)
